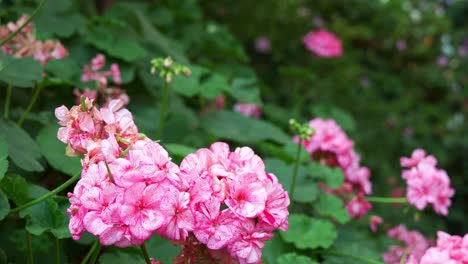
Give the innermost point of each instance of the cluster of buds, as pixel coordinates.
(304, 131)
(167, 68)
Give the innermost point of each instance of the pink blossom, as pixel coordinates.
(449, 249)
(323, 44)
(425, 183)
(357, 207)
(262, 44)
(374, 222)
(98, 62)
(414, 243)
(250, 110)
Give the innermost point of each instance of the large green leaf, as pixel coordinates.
(110, 39)
(236, 127)
(4, 206)
(309, 233)
(65, 69)
(245, 90)
(50, 20)
(332, 177)
(294, 258)
(54, 151)
(179, 150)
(121, 258)
(16, 188)
(45, 216)
(189, 86)
(214, 86)
(162, 249)
(274, 248)
(345, 120)
(22, 149)
(19, 72)
(330, 205)
(3, 157)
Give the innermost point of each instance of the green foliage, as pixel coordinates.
(234, 126)
(3, 157)
(309, 233)
(16, 188)
(54, 151)
(4, 206)
(19, 72)
(22, 149)
(332, 177)
(330, 205)
(294, 258)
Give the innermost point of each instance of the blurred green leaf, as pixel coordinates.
(54, 151)
(330, 205)
(325, 111)
(306, 192)
(236, 127)
(162, 249)
(16, 188)
(274, 248)
(332, 177)
(64, 69)
(120, 258)
(4, 206)
(19, 72)
(245, 90)
(309, 233)
(110, 39)
(50, 20)
(22, 149)
(3, 157)
(215, 85)
(179, 150)
(188, 86)
(294, 258)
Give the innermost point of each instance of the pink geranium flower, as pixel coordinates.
(323, 44)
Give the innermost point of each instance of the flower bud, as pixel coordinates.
(168, 62)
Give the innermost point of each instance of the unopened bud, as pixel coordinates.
(168, 78)
(168, 62)
(187, 72)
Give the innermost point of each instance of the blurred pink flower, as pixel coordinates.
(374, 222)
(262, 44)
(323, 44)
(250, 110)
(449, 250)
(414, 243)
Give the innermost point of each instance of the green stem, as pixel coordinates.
(57, 251)
(47, 195)
(30, 257)
(96, 254)
(402, 200)
(30, 105)
(360, 258)
(404, 257)
(296, 169)
(6, 109)
(90, 252)
(145, 253)
(162, 113)
(12, 35)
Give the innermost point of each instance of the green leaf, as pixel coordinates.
(4, 206)
(3, 157)
(120, 258)
(54, 151)
(215, 85)
(281, 170)
(306, 192)
(332, 177)
(16, 188)
(330, 205)
(19, 72)
(179, 150)
(23, 150)
(50, 20)
(188, 86)
(236, 127)
(294, 258)
(274, 248)
(245, 90)
(163, 249)
(291, 149)
(65, 69)
(309, 233)
(45, 216)
(155, 37)
(110, 39)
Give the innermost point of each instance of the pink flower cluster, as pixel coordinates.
(94, 72)
(130, 189)
(323, 44)
(426, 183)
(236, 204)
(414, 243)
(330, 146)
(250, 110)
(449, 250)
(25, 44)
